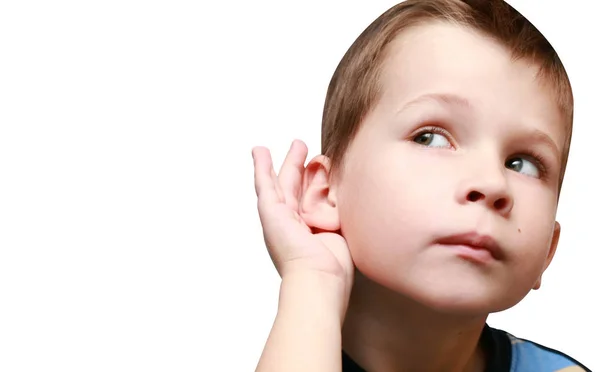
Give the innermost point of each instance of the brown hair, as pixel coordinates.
(354, 87)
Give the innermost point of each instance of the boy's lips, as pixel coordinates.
(474, 241)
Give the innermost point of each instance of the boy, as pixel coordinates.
(445, 137)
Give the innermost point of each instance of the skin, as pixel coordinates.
(417, 193)
(415, 304)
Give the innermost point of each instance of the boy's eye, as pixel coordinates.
(432, 139)
(523, 165)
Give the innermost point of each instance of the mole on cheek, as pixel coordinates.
(519, 230)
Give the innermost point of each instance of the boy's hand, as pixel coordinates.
(292, 244)
(316, 271)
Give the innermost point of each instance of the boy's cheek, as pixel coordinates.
(381, 230)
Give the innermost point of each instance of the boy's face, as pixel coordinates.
(451, 149)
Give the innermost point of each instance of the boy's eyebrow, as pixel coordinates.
(442, 98)
(541, 137)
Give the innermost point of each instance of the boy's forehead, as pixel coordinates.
(447, 60)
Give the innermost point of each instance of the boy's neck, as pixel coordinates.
(386, 332)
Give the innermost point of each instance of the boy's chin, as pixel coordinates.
(457, 304)
(448, 297)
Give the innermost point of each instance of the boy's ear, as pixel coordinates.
(554, 244)
(318, 207)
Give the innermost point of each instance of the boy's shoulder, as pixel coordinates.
(508, 353)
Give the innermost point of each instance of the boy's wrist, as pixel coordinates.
(307, 332)
(314, 290)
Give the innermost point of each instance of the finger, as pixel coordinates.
(290, 175)
(264, 176)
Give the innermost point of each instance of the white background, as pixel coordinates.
(129, 238)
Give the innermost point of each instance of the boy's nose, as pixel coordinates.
(489, 188)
